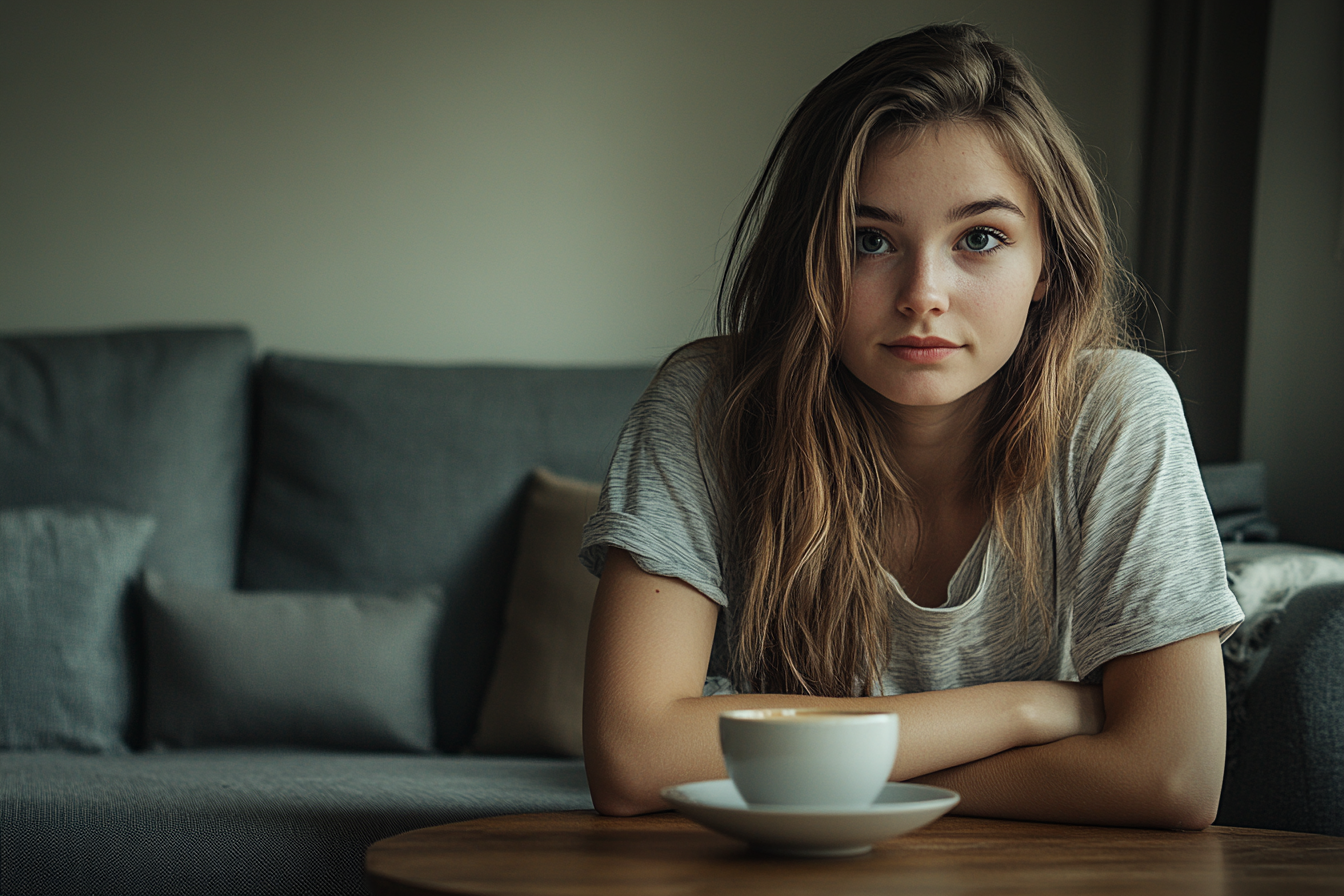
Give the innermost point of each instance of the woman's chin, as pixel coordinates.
(943, 394)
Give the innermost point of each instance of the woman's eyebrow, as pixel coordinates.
(961, 212)
(980, 206)
(879, 214)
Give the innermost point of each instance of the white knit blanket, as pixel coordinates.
(1265, 577)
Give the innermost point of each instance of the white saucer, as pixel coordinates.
(819, 831)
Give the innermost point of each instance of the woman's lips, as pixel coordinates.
(927, 350)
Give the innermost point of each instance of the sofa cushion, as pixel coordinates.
(384, 476)
(347, 671)
(151, 422)
(534, 705)
(1284, 767)
(64, 675)
(243, 821)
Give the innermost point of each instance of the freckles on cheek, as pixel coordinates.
(863, 291)
(991, 297)
(861, 310)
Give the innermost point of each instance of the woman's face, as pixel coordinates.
(948, 259)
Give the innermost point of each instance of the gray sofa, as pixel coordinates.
(189, 738)
(282, 475)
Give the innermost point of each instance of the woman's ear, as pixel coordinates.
(1041, 284)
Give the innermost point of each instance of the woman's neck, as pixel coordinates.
(935, 447)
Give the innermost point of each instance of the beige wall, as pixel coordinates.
(527, 181)
(1294, 405)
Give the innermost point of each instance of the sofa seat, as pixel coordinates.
(230, 821)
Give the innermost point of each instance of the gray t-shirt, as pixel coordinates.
(1135, 562)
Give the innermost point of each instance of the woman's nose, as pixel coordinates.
(924, 289)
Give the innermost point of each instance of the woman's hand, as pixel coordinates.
(1060, 709)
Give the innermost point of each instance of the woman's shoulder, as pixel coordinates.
(1121, 381)
(1130, 399)
(687, 372)
(699, 358)
(1110, 367)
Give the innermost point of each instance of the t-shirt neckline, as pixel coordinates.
(966, 582)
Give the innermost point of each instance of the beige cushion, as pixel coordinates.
(534, 705)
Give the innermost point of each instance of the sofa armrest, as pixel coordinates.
(1285, 765)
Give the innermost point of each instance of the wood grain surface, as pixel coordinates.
(585, 854)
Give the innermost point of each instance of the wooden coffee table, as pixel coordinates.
(580, 853)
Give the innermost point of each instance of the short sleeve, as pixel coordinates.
(658, 501)
(1140, 564)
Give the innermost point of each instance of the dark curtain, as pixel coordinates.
(1206, 74)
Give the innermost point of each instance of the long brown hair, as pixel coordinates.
(815, 496)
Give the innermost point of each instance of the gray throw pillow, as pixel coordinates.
(342, 671)
(64, 679)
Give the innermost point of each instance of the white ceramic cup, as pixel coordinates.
(808, 757)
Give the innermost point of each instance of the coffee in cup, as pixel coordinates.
(808, 757)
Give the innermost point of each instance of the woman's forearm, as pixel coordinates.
(646, 727)
(1082, 780)
(630, 759)
(1158, 763)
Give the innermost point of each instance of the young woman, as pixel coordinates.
(916, 473)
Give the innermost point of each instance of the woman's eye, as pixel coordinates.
(982, 240)
(870, 242)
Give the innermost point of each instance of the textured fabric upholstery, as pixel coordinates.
(207, 822)
(151, 422)
(65, 677)
(1285, 765)
(265, 669)
(376, 477)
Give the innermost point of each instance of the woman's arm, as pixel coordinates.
(646, 725)
(1158, 762)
